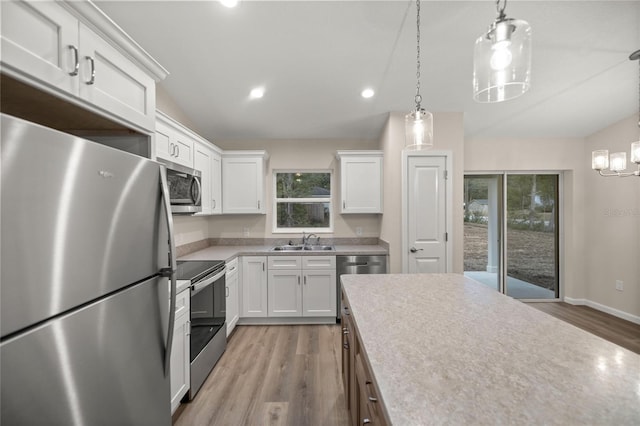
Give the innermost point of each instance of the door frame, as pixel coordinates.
(448, 156)
(503, 226)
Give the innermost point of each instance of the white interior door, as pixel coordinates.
(426, 214)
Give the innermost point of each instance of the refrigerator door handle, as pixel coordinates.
(169, 272)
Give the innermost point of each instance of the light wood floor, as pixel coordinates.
(273, 375)
(290, 375)
(621, 332)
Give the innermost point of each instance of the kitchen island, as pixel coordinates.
(444, 349)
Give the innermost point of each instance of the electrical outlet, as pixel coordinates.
(619, 285)
(359, 231)
(245, 232)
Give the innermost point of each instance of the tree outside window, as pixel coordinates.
(302, 201)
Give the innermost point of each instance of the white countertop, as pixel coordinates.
(445, 349)
(227, 253)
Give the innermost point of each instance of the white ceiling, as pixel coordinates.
(315, 57)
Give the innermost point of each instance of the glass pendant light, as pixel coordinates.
(419, 122)
(502, 59)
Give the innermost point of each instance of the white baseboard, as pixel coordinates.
(615, 312)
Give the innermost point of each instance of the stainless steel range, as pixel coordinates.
(208, 312)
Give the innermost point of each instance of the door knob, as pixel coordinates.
(413, 249)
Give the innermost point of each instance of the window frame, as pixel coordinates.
(276, 200)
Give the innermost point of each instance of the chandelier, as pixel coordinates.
(617, 161)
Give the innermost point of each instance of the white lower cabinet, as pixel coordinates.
(254, 286)
(179, 367)
(302, 286)
(233, 307)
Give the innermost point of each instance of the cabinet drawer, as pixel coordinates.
(285, 262)
(232, 267)
(182, 303)
(319, 262)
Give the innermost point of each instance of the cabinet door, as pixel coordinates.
(184, 149)
(361, 184)
(180, 378)
(162, 141)
(285, 293)
(242, 185)
(319, 293)
(216, 183)
(254, 286)
(117, 86)
(233, 308)
(202, 161)
(36, 40)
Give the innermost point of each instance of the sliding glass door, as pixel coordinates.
(511, 233)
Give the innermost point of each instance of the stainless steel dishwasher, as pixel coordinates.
(360, 264)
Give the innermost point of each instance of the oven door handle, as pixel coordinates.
(196, 288)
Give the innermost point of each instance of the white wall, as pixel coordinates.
(557, 155)
(448, 132)
(302, 155)
(612, 232)
(601, 238)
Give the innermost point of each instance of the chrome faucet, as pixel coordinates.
(305, 238)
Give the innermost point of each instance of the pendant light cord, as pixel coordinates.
(635, 56)
(500, 10)
(418, 97)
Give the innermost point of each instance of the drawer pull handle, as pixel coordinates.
(345, 346)
(373, 399)
(366, 421)
(345, 332)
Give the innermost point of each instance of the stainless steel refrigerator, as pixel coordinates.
(87, 270)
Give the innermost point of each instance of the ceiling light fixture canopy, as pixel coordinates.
(419, 122)
(617, 161)
(502, 59)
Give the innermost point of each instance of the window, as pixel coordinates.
(302, 201)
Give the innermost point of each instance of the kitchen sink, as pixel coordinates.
(319, 248)
(289, 247)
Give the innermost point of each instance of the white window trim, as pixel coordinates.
(274, 213)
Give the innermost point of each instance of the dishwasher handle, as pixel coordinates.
(361, 264)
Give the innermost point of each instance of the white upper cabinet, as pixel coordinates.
(40, 40)
(216, 183)
(56, 46)
(180, 145)
(173, 142)
(361, 181)
(243, 182)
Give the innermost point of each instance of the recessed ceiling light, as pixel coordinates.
(256, 93)
(229, 3)
(367, 93)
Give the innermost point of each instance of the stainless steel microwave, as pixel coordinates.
(185, 188)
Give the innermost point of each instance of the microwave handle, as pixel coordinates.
(199, 193)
